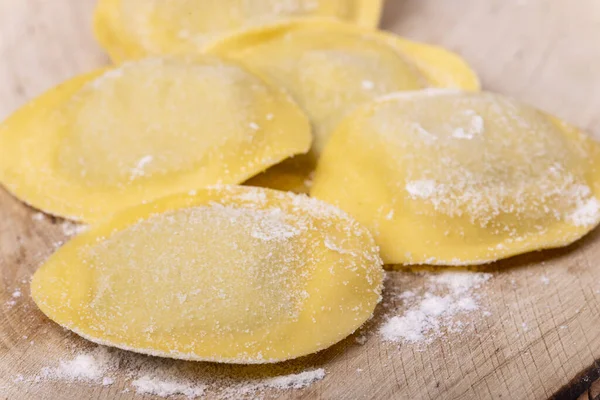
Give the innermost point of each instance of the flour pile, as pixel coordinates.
(447, 297)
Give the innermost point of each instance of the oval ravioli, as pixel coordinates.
(123, 136)
(137, 28)
(231, 274)
(331, 68)
(456, 178)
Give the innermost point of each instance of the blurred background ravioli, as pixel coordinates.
(136, 28)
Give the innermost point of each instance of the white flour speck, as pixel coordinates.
(361, 339)
(272, 226)
(367, 85)
(587, 213)
(72, 229)
(38, 216)
(332, 246)
(421, 189)
(474, 128)
(424, 134)
(138, 170)
(107, 381)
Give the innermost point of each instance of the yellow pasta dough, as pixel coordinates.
(454, 178)
(131, 134)
(138, 28)
(230, 274)
(440, 67)
(330, 68)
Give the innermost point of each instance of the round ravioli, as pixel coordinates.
(330, 68)
(230, 274)
(131, 134)
(138, 28)
(457, 178)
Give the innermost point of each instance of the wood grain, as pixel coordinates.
(540, 339)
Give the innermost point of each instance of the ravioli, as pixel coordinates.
(137, 28)
(230, 274)
(127, 135)
(331, 68)
(456, 178)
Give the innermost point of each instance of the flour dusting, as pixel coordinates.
(164, 378)
(448, 296)
(166, 388)
(294, 381)
(73, 229)
(84, 367)
(255, 388)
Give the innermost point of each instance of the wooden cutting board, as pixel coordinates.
(541, 335)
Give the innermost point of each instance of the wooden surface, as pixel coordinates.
(542, 336)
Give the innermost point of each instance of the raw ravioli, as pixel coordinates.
(230, 274)
(127, 135)
(138, 28)
(331, 68)
(453, 178)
